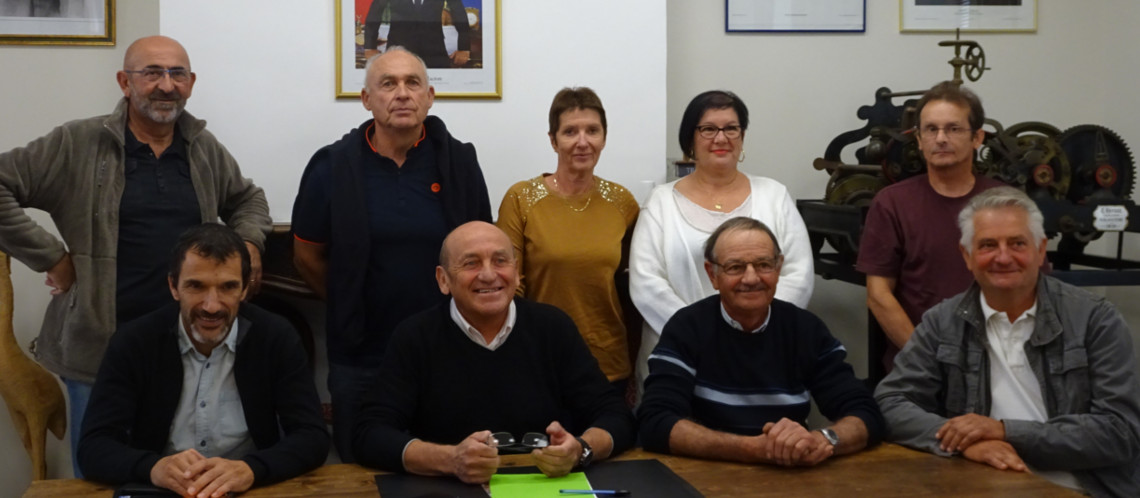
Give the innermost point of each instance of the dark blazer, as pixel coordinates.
(127, 423)
(463, 195)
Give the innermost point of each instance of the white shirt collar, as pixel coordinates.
(736, 325)
(989, 312)
(184, 343)
(477, 337)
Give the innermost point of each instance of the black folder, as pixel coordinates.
(643, 478)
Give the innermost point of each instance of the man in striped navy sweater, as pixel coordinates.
(732, 375)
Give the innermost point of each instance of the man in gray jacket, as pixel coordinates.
(120, 189)
(1022, 371)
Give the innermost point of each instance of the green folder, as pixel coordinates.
(535, 485)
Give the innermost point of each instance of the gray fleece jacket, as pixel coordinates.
(75, 173)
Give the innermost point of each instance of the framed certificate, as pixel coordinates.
(795, 15)
(1011, 16)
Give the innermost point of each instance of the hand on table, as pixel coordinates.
(561, 456)
(475, 459)
(997, 454)
(215, 477)
(791, 444)
(960, 432)
(172, 472)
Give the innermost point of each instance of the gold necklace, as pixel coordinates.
(590, 197)
(718, 205)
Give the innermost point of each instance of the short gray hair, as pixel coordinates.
(393, 48)
(997, 198)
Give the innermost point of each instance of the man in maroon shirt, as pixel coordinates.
(909, 246)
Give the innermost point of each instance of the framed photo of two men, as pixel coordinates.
(57, 22)
(459, 40)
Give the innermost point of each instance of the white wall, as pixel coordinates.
(1122, 66)
(803, 89)
(265, 83)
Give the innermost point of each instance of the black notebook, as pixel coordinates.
(643, 478)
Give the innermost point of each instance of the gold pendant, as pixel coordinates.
(718, 208)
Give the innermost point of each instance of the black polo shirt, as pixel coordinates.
(406, 229)
(158, 204)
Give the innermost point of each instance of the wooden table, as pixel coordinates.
(888, 470)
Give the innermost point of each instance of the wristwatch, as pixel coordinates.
(830, 436)
(587, 453)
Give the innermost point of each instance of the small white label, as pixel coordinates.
(1110, 218)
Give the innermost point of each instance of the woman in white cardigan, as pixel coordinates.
(666, 257)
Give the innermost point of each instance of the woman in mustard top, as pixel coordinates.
(571, 231)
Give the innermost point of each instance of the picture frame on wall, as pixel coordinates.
(464, 58)
(848, 16)
(57, 22)
(1000, 16)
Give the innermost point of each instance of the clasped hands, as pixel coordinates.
(188, 473)
(476, 458)
(980, 439)
(789, 443)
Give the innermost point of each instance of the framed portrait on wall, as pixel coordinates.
(459, 40)
(57, 22)
(795, 15)
(1010, 16)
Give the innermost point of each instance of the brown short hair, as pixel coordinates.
(957, 95)
(568, 99)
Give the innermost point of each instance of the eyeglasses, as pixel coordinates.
(710, 131)
(763, 265)
(952, 131)
(153, 74)
(531, 440)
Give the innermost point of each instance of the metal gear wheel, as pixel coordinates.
(851, 190)
(1029, 156)
(1102, 163)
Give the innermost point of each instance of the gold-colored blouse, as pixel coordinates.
(569, 251)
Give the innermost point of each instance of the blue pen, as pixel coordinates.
(605, 492)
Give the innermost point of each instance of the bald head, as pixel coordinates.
(464, 234)
(144, 50)
(377, 65)
(479, 270)
(157, 80)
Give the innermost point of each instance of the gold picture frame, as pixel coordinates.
(58, 22)
(479, 78)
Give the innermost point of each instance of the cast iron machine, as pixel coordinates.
(1081, 178)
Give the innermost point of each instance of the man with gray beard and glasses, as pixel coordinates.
(120, 189)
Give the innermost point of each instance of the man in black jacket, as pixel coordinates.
(199, 397)
(369, 218)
